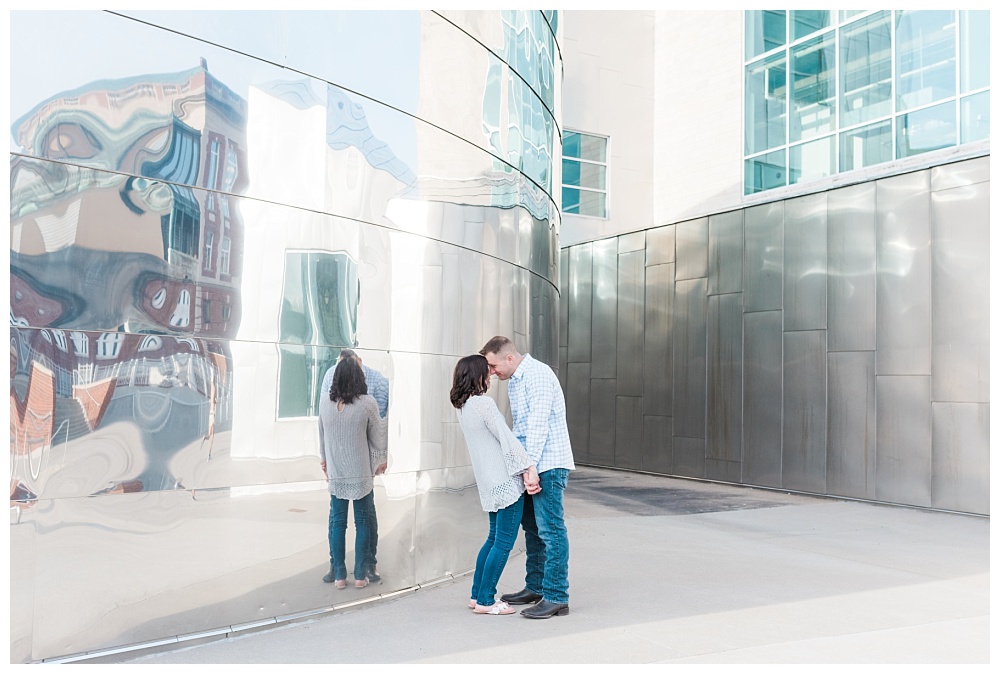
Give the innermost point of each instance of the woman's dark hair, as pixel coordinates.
(348, 382)
(471, 378)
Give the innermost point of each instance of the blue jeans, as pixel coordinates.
(338, 532)
(545, 539)
(493, 555)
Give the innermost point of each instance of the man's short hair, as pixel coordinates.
(499, 345)
(347, 353)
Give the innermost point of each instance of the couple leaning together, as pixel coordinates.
(521, 475)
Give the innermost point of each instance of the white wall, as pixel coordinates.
(698, 157)
(608, 91)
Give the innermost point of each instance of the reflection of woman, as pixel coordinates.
(353, 442)
(502, 469)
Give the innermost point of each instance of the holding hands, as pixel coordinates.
(531, 481)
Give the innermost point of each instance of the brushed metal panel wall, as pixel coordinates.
(793, 347)
(762, 380)
(903, 466)
(628, 432)
(960, 331)
(903, 270)
(960, 451)
(580, 295)
(631, 313)
(195, 234)
(658, 369)
(725, 378)
(692, 249)
(850, 466)
(851, 268)
(690, 358)
(578, 409)
(603, 405)
(604, 319)
(805, 248)
(763, 256)
(804, 409)
(725, 253)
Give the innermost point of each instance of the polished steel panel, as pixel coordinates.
(763, 257)
(903, 272)
(960, 272)
(851, 268)
(450, 525)
(723, 471)
(658, 369)
(692, 249)
(580, 298)
(564, 298)
(725, 378)
(23, 562)
(657, 444)
(660, 245)
(631, 318)
(604, 320)
(960, 451)
(689, 359)
(805, 270)
(804, 409)
(960, 174)
(903, 437)
(628, 243)
(762, 389)
(851, 451)
(628, 432)
(725, 253)
(602, 422)
(578, 409)
(688, 457)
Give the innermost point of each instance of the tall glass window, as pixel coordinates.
(830, 91)
(585, 174)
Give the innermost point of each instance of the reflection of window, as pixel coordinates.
(60, 338)
(206, 314)
(159, 298)
(151, 343)
(80, 343)
(213, 165)
(209, 240)
(585, 174)
(182, 312)
(224, 255)
(229, 176)
(108, 345)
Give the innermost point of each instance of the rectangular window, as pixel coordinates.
(764, 173)
(585, 174)
(926, 130)
(813, 88)
(866, 146)
(925, 57)
(976, 117)
(765, 30)
(866, 70)
(807, 21)
(766, 87)
(815, 159)
(975, 35)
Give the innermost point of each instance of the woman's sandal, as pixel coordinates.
(340, 584)
(472, 603)
(361, 584)
(499, 608)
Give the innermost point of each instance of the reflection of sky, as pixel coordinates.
(375, 53)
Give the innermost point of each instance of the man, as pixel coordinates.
(539, 411)
(378, 388)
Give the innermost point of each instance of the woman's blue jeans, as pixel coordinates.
(338, 533)
(493, 555)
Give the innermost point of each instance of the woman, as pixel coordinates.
(353, 441)
(502, 469)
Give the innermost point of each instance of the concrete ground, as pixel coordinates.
(676, 571)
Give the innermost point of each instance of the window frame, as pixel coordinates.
(607, 175)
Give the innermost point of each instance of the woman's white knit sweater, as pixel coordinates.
(498, 458)
(353, 441)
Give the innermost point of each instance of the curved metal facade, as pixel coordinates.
(206, 207)
(835, 343)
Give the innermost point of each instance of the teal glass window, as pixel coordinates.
(813, 85)
(807, 21)
(975, 32)
(866, 146)
(846, 14)
(976, 117)
(815, 159)
(765, 30)
(766, 100)
(925, 130)
(866, 70)
(765, 172)
(925, 57)
(585, 174)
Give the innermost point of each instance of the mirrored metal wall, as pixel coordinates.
(835, 343)
(205, 208)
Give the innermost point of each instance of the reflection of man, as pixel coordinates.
(378, 388)
(539, 411)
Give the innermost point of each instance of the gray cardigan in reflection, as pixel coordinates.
(498, 458)
(353, 442)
